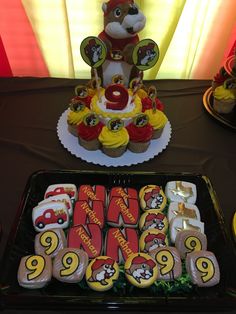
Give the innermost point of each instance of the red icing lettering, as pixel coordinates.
(86, 237)
(92, 212)
(121, 244)
(92, 193)
(118, 213)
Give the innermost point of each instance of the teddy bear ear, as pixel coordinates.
(104, 7)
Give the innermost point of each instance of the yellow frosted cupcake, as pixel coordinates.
(224, 99)
(158, 120)
(114, 138)
(75, 116)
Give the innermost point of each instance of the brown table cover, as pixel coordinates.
(29, 112)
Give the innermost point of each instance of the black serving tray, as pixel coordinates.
(71, 296)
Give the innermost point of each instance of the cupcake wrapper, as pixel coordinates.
(223, 106)
(89, 145)
(138, 147)
(157, 133)
(114, 152)
(73, 129)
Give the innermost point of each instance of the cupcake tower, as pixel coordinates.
(115, 135)
(90, 233)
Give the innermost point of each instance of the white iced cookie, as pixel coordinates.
(178, 224)
(64, 198)
(181, 191)
(50, 215)
(65, 188)
(181, 209)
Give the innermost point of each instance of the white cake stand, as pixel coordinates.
(97, 157)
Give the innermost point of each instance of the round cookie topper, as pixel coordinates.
(91, 119)
(145, 54)
(152, 197)
(141, 270)
(153, 219)
(93, 51)
(101, 273)
(115, 124)
(118, 79)
(77, 106)
(152, 239)
(81, 91)
(141, 120)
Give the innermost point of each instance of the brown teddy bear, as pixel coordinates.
(122, 21)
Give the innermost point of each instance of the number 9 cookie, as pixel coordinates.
(203, 268)
(35, 271)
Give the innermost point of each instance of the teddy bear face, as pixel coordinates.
(122, 20)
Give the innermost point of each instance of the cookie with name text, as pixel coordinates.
(86, 212)
(121, 243)
(86, 237)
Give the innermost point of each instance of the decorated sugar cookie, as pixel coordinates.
(182, 209)
(87, 237)
(153, 219)
(64, 198)
(181, 191)
(50, 242)
(70, 265)
(122, 212)
(121, 243)
(89, 212)
(152, 239)
(92, 193)
(168, 262)
(188, 241)
(101, 273)
(125, 193)
(152, 197)
(179, 224)
(203, 268)
(66, 188)
(50, 215)
(35, 271)
(141, 270)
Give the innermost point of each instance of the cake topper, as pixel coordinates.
(93, 52)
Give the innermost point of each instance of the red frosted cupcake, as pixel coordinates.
(140, 134)
(88, 132)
